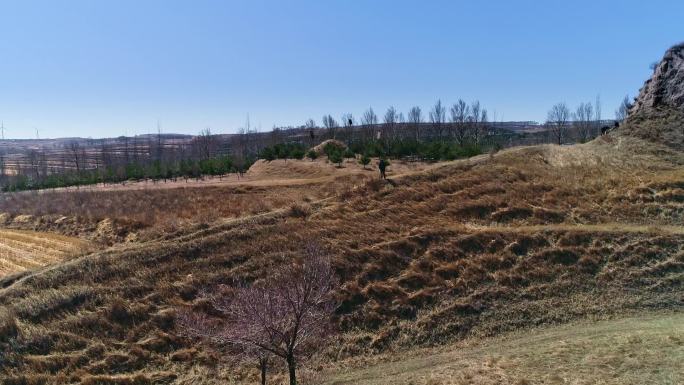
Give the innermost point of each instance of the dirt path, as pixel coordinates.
(636, 350)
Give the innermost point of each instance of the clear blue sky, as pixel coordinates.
(105, 68)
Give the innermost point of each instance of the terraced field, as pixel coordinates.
(24, 250)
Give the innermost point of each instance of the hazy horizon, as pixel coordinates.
(86, 69)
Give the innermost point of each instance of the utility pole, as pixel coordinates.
(37, 136)
(2, 130)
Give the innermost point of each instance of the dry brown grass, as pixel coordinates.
(137, 207)
(635, 351)
(470, 249)
(26, 250)
(159, 207)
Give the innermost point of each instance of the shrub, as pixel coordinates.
(297, 153)
(365, 160)
(299, 210)
(119, 312)
(312, 155)
(8, 325)
(333, 148)
(336, 157)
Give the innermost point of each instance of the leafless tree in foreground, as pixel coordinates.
(287, 314)
(558, 119)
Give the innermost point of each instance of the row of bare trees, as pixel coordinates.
(461, 122)
(585, 121)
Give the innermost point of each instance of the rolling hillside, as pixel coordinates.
(494, 269)
(470, 249)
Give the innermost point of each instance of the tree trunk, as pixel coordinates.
(263, 372)
(291, 367)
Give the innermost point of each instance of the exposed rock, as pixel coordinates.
(320, 148)
(658, 113)
(665, 89)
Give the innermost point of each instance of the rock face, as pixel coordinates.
(658, 113)
(665, 89)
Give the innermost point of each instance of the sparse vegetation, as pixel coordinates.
(364, 160)
(535, 250)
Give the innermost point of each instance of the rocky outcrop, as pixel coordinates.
(658, 113)
(665, 89)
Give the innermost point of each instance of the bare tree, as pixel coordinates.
(482, 130)
(477, 120)
(348, 123)
(368, 120)
(2, 165)
(597, 114)
(331, 125)
(76, 154)
(390, 121)
(287, 314)
(582, 120)
(623, 110)
(459, 118)
(127, 150)
(415, 118)
(557, 120)
(437, 118)
(34, 164)
(310, 124)
(206, 144)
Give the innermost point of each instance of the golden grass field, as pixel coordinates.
(439, 267)
(27, 250)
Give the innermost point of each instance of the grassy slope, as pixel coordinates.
(475, 248)
(632, 350)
